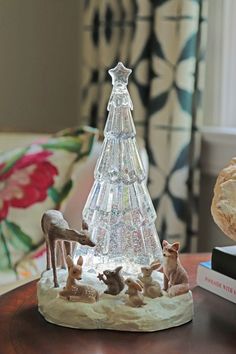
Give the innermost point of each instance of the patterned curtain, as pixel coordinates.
(163, 41)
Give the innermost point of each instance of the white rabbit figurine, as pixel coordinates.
(151, 287)
(134, 287)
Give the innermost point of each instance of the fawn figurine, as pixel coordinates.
(74, 291)
(134, 289)
(74, 273)
(175, 276)
(114, 281)
(151, 288)
(56, 228)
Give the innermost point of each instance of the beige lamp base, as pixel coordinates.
(111, 312)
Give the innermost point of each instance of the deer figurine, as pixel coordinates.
(74, 273)
(74, 291)
(56, 228)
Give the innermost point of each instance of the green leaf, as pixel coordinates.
(68, 144)
(65, 190)
(59, 196)
(5, 256)
(54, 195)
(17, 237)
(12, 160)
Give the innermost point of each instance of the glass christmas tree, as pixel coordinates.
(119, 210)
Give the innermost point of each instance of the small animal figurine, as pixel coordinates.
(175, 276)
(74, 291)
(74, 272)
(134, 288)
(151, 288)
(114, 281)
(56, 228)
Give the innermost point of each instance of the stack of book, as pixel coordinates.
(218, 275)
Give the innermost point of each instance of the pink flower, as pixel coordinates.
(26, 182)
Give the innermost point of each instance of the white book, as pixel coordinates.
(215, 282)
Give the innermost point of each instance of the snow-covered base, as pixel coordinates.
(111, 312)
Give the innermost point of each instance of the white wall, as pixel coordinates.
(39, 64)
(220, 84)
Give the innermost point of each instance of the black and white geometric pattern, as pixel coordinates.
(163, 42)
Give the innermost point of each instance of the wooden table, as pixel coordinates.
(24, 331)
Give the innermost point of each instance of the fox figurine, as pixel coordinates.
(175, 276)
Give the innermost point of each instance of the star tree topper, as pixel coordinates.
(120, 74)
